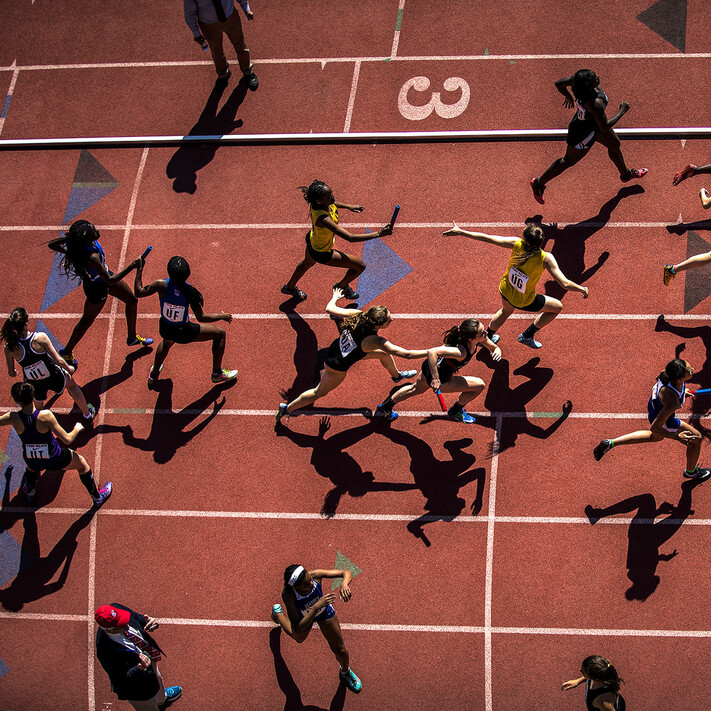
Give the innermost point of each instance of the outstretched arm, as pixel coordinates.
(554, 270)
(349, 237)
(499, 241)
(374, 343)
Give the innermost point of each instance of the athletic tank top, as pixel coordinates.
(89, 249)
(305, 602)
(656, 402)
(581, 113)
(447, 367)
(174, 305)
(322, 239)
(518, 285)
(35, 366)
(37, 445)
(346, 349)
(592, 694)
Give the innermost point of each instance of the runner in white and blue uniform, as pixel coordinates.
(589, 124)
(439, 371)
(38, 431)
(40, 363)
(358, 339)
(305, 604)
(84, 259)
(177, 297)
(668, 395)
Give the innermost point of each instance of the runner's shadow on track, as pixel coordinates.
(569, 247)
(308, 357)
(331, 461)
(440, 481)
(35, 577)
(292, 701)
(168, 428)
(683, 227)
(646, 535)
(501, 397)
(190, 158)
(702, 377)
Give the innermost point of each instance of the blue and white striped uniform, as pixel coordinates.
(174, 307)
(654, 406)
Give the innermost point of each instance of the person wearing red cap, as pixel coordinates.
(130, 657)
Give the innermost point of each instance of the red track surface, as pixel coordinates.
(211, 502)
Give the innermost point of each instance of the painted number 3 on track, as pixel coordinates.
(417, 113)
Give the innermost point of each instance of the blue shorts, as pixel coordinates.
(326, 614)
(671, 425)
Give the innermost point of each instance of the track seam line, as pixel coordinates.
(488, 586)
(351, 103)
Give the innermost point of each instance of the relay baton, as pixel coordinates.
(442, 403)
(147, 252)
(703, 391)
(395, 214)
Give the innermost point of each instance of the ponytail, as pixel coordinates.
(373, 318)
(599, 669)
(674, 370)
(459, 334)
(13, 327)
(533, 241)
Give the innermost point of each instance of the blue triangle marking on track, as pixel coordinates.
(668, 19)
(89, 170)
(82, 198)
(58, 284)
(11, 558)
(4, 669)
(14, 460)
(385, 268)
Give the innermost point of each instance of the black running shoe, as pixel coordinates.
(602, 449)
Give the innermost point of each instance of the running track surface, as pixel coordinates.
(483, 583)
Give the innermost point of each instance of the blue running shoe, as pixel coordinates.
(462, 416)
(172, 694)
(389, 415)
(351, 681)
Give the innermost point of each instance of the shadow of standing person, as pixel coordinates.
(190, 158)
(646, 535)
(291, 691)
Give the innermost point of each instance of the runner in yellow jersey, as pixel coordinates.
(320, 239)
(518, 285)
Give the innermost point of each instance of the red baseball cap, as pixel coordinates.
(107, 616)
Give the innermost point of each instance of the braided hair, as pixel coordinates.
(76, 238)
(313, 192)
(466, 330)
(599, 669)
(373, 318)
(533, 240)
(13, 327)
(179, 272)
(584, 84)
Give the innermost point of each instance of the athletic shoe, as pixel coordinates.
(698, 473)
(139, 341)
(538, 191)
(348, 292)
(592, 513)
(224, 376)
(633, 174)
(389, 415)
(530, 342)
(682, 175)
(69, 357)
(172, 694)
(293, 291)
(404, 375)
(92, 413)
(252, 81)
(104, 493)
(281, 412)
(495, 338)
(153, 375)
(351, 681)
(602, 449)
(669, 273)
(29, 493)
(462, 416)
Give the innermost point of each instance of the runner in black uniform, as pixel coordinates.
(40, 362)
(460, 344)
(40, 449)
(359, 339)
(602, 685)
(176, 298)
(589, 124)
(84, 259)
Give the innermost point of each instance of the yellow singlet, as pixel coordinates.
(322, 239)
(518, 285)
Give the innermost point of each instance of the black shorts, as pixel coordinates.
(536, 305)
(55, 464)
(95, 291)
(56, 382)
(444, 373)
(320, 257)
(582, 134)
(179, 332)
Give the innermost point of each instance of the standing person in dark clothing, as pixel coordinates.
(602, 685)
(209, 20)
(589, 124)
(130, 657)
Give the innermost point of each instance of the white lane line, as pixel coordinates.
(8, 98)
(488, 585)
(351, 103)
(398, 27)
